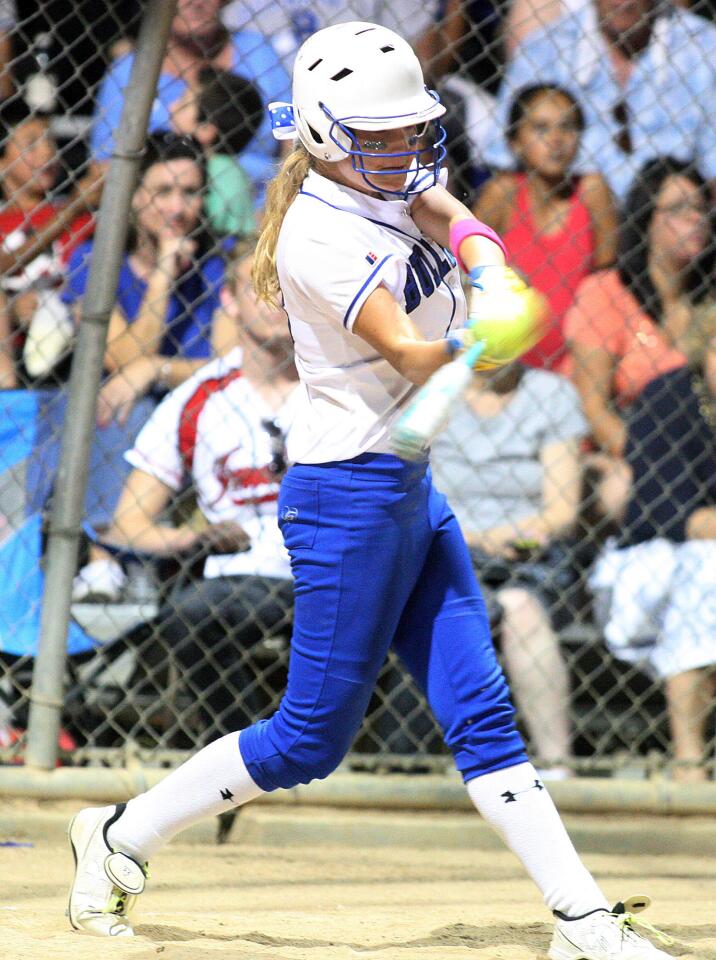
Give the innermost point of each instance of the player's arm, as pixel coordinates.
(444, 219)
(383, 324)
(503, 313)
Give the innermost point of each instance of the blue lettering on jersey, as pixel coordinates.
(423, 274)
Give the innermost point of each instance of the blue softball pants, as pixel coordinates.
(379, 560)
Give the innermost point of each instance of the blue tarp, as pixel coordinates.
(29, 454)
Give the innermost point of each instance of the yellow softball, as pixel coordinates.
(509, 316)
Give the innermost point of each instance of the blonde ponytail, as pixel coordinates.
(280, 195)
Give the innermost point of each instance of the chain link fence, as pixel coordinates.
(584, 479)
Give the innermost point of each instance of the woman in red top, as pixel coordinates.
(558, 227)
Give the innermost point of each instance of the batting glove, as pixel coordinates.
(503, 312)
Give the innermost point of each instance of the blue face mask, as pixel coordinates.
(419, 163)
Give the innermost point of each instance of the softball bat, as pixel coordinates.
(429, 410)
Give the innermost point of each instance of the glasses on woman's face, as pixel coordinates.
(622, 138)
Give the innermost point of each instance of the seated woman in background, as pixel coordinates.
(518, 435)
(626, 324)
(657, 581)
(166, 323)
(558, 226)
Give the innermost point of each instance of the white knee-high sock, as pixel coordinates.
(214, 780)
(516, 804)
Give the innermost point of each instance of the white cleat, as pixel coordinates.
(106, 883)
(602, 935)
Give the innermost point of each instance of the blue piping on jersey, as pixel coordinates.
(454, 308)
(368, 280)
(403, 233)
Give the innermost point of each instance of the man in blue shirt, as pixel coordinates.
(645, 75)
(198, 39)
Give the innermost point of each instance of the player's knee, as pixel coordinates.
(307, 758)
(318, 764)
(305, 762)
(487, 737)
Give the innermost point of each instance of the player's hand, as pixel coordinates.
(503, 312)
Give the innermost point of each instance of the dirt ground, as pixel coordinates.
(319, 884)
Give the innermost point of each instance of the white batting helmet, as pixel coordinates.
(361, 76)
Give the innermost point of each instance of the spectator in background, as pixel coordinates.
(166, 323)
(8, 23)
(465, 38)
(462, 56)
(222, 113)
(526, 17)
(36, 235)
(558, 226)
(223, 432)
(660, 575)
(198, 39)
(518, 436)
(643, 73)
(626, 324)
(288, 24)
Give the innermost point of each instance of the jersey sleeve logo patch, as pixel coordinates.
(371, 257)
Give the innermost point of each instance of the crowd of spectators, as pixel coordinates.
(577, 130)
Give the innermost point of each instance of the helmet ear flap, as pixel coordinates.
(331, 143)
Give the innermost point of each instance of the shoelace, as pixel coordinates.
(117, 903)
(629, 921)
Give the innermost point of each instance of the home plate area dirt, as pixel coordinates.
(322, 884)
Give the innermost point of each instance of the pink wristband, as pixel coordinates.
(472, 228)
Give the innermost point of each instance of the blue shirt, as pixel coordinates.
(669, 95)
(191, 305)
(253, 58)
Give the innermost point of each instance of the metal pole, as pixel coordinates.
(46, 697)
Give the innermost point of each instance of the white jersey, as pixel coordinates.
(335, 247)
(216, 430)
(289, 22)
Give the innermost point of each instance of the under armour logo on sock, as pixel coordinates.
(511, 797)
(226, 794)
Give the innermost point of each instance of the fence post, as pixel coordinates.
(46, 697)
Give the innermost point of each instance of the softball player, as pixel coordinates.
(355, 242)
